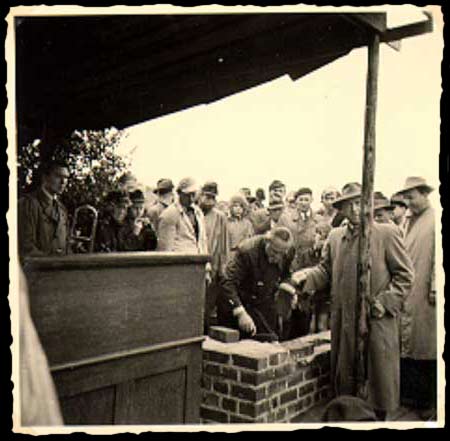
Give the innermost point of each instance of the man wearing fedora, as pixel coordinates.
(218, 246)
(137, 233)
(418, 324)
(252, 278)
(391, 279)
(111, 219)
(164, 190)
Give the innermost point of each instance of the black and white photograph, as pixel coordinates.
(225, 218)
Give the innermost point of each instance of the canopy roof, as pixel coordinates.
(91, 72)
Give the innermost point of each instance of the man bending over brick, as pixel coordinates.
(252, 278)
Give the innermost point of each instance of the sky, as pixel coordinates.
(307, 132)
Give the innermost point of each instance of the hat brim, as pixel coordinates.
(383, 206)
(275, 207)
(412, 187)
(209, 193)
(338, 202)
(190, 189)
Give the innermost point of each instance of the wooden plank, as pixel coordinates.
(193, 393)
(87, 313)
(94, 407)
(113, 260)
(87, 378)
(366, 217)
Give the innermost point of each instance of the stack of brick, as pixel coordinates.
(252, 382)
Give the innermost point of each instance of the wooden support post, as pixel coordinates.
(366, 219)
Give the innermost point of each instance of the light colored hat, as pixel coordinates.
(415, 182)
(349, 191)
(330, 190)
(239, 199)
(187, 185)
(398, 199)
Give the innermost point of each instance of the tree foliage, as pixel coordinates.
(94, 165)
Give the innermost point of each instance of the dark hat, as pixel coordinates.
(381, 201)
(245, 191)
(349, 191)
(251, 199)
(416, 182)
(187, 185)
(281, 238)
(275, 205)
(137, 196)
(398, 199)
(260, 194)
(210, 188)
(303, 190)
(164, 186)
(118, 197)
(348, 408)
(276, 184)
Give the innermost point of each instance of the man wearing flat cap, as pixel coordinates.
(181, 226)
(164, 190)
(399, 210)
(382, 208)
(251, 281)
(391, 280)
(218, 245)
(137, 233)
(418, 328)
(110, 222)
(261, 219)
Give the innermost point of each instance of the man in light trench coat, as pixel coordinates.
(418, 324)
(391, 280)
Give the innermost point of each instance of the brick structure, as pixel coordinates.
(253, 382)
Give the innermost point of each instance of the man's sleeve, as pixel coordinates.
(166, 232)
(319, 276)
(402, 273)
(235, 274)
(27, 226)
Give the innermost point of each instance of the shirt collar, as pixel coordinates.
(48, 195)
(351, 231)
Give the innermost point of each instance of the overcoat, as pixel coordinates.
(218, 242)
(418, 329)
(238, 230)
(176, 232)
(391, 279)
(43, 229)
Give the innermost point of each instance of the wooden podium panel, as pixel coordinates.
(122, 333)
